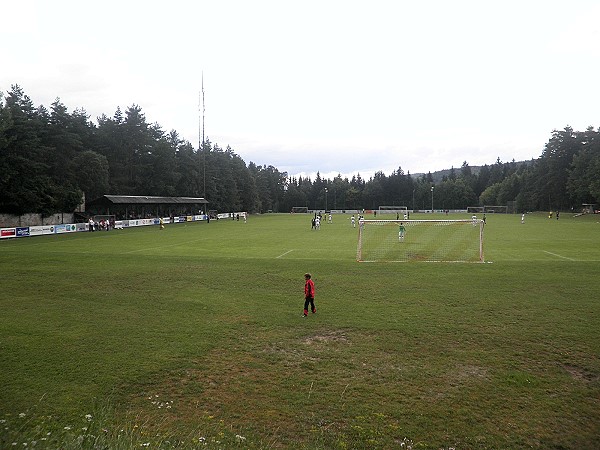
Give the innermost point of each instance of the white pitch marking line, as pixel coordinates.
(283, 254)
(559, 256)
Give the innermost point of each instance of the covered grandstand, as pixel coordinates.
(143, 206)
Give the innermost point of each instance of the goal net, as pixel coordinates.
(495, 209)
(393, 210)
(475, 209)
(420, 240)
(299, 209)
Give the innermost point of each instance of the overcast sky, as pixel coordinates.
(331, 86)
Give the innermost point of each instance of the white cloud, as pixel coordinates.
(335, 87)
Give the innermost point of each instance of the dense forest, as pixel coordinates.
(49, 158)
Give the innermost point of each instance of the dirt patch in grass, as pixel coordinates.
(463, 373)
(308, 349)
(327, 338)
(581, 374)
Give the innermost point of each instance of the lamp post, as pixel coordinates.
(325, 199)
(431, 199)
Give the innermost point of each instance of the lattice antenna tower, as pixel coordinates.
(203, 108)
(201, 135)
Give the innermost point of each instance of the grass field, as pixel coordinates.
(192, 337)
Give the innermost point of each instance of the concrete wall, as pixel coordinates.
(31, 220)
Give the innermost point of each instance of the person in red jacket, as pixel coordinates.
(309, 294)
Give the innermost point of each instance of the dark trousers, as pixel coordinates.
(311, 301)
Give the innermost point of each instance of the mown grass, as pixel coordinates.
(192, 337)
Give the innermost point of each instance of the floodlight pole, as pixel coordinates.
(431, 199)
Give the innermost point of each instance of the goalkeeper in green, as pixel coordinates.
(401, 232)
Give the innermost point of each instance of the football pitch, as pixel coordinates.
(193, 337)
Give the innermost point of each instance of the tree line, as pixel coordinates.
(50, 158)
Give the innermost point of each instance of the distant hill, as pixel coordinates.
(440, 174)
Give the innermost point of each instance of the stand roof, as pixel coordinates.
(145, 200)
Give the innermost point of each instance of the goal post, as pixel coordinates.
(299, 209)
(502, 209)
(420, 240)
(488, 209)
(475, 209)
(392, 210)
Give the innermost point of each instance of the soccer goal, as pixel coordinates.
(420, 240)
(299, 209)
(392, 210)
(495, 209)
(475, 209)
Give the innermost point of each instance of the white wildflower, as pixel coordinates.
(21, 415)
(88, 417)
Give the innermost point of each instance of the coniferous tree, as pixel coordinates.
(583, 182)
(91, 174)
(48, 157)
(188, 165)
(557, 158)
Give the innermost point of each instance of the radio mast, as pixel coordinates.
(203, 108)
(201, 147)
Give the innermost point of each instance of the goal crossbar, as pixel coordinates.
(420, 240)
(393, 208)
